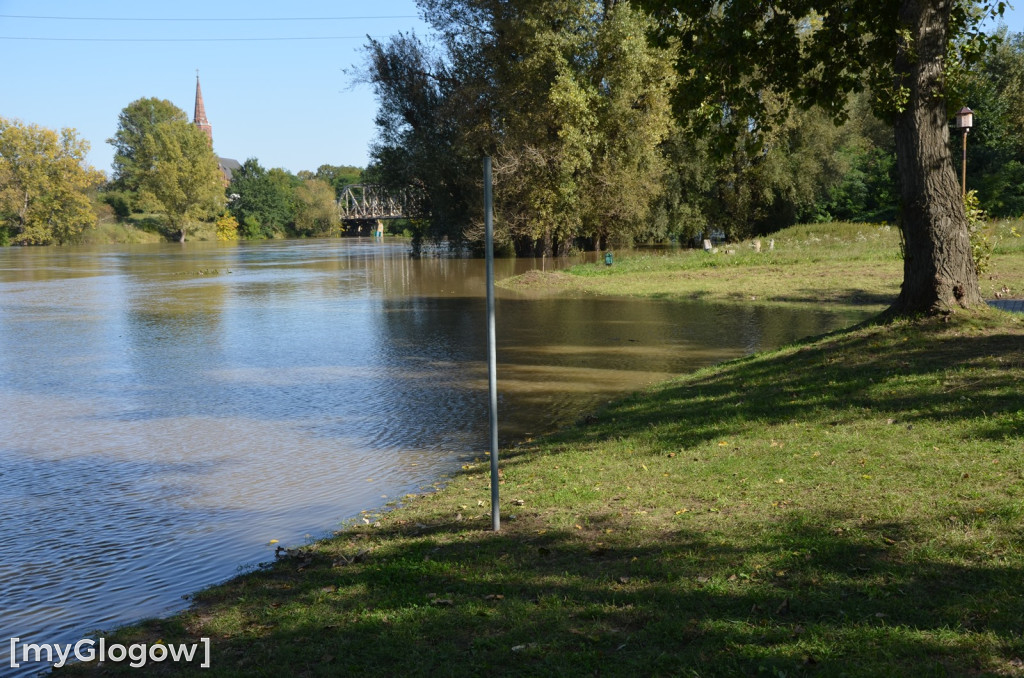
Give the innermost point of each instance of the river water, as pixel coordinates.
(166, 411)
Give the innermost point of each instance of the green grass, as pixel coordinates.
(849, 506)
(815, 265)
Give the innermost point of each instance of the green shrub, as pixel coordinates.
(981, 243)
(119, 201)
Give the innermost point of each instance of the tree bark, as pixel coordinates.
(938, 268)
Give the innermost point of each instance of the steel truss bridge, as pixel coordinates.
(372, 201)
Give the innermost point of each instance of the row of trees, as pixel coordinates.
(611, 121)
(593, 142)
(182, 181)
(270, 203)
(163, 165)
(570, 98)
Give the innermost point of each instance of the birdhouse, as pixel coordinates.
(965, 118)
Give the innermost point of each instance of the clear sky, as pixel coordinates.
(288, 103)
(275, 75)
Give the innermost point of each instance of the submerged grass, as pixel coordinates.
(848, 506)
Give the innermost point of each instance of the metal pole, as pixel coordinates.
(492, 352)
(963, 170)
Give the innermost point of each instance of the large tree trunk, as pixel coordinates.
(938, 269)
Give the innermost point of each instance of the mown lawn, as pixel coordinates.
(813, 265)
(849, 506)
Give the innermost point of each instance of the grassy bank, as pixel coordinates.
(850, 506)
(854, 265)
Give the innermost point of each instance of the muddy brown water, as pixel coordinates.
(169, 410)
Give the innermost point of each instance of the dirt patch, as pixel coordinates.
(541, 281)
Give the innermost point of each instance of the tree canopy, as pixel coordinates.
(262, 200)
(184, 177)
(569, 97)
(818, 52)
(316, 212)
(137, 120)
(43, 183)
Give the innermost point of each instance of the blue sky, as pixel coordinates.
(288, 102)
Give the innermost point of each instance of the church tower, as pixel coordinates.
(199, 118)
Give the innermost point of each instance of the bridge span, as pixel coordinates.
(362, 202)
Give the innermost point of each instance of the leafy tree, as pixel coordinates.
(316, 212)
(569, 98)
(261, 200)
(737, 49)
(419, 141)
(44, 181)
(137, 120)
(868, 189)
(634, 81)
(801, 168)
(184, 178)
(337, 176)
(995, 148)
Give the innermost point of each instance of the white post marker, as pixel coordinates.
(492, 352)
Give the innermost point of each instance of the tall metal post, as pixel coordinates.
(492, 351)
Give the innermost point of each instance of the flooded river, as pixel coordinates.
(169, 410)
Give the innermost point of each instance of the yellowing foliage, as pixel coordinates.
(43, 184)
(227, 228)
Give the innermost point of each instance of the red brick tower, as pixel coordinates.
(199, 119)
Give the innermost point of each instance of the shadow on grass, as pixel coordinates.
(809, 590)
(902, 375)
(462, 602)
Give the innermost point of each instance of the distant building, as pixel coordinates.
(227, 165)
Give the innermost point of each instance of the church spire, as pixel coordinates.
(199, 119)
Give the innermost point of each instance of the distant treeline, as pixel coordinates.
(166, 182)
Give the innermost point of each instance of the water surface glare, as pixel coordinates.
(168, 410)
